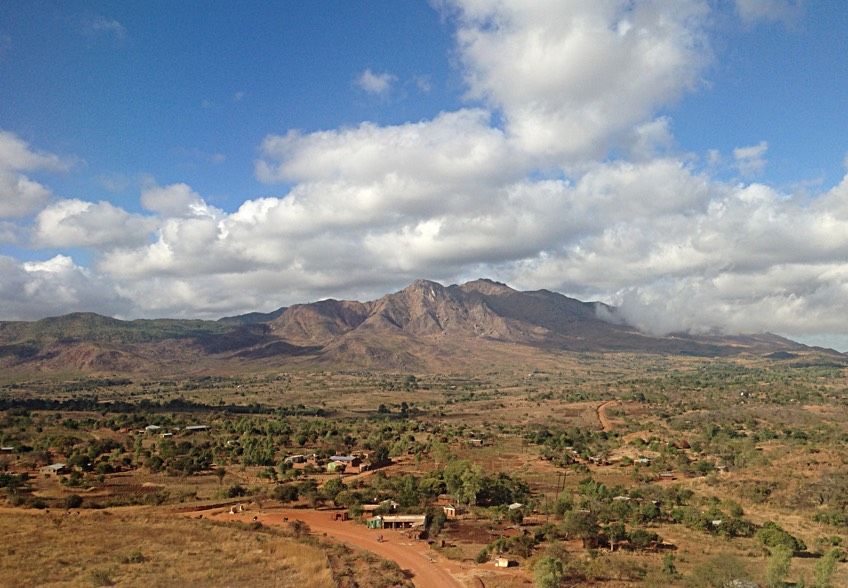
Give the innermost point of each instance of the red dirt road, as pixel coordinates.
(606, 425)
(415, 556)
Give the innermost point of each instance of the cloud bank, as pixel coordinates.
(559, 172)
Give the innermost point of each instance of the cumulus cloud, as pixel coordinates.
(75, 223)
(33, 290)
(751, 161)
(561, 174)
(175, 200)
(19, 195)
(375, 83)
(571, 81)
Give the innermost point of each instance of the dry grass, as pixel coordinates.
(141, 548)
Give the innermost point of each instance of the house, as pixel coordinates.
(397, 521)
(55, 469)
(449, 510)
(515, 506)
(444, 500)
(336, 467)
(152, 428)
(196, 428)
(293, 459)
(475, 442)
(7, 449)
(347, 460)
(339, 516)
(386, 505)
(503, 562)
(166, 435)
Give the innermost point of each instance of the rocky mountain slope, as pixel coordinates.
(422, 327)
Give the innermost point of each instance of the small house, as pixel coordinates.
(404, 521)
(449, 510)
(7, 449)
(196, 428)
(56, 469)
(152, 428)
(503, 562)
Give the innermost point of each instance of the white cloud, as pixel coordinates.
(56, 286)
(19, 195)
(751, 161)
(572, 80)
(787, 12)
(562, 176)
(375, 83)
(175, 200)
(74, 223)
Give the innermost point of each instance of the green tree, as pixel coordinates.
(548, 572)
(778, 566)
(332, 488)
(825, 568)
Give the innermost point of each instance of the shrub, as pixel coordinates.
(236, 490)
(771, 535)
(73, 501)
(548, 572)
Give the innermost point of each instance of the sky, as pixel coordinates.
(683, 160)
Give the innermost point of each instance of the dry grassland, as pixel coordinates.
(142, 548)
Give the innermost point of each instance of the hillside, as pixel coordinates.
(425, 326)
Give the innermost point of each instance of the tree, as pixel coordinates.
(332, 488)
(548, 572)
(220, 473)
(778, 566)
(669, 570)
(825, 567)
(616, 532)
(718, 572)
(580, 524)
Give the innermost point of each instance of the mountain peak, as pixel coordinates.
(486, 286)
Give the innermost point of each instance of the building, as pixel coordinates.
(449, 510)
(152, 428)
(397, 522)
(503, 562)
(55, 469)
(7, 449)
(196, 428)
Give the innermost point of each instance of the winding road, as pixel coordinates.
(429, 570)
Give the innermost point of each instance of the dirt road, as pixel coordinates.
(429, 571)
(606, 425)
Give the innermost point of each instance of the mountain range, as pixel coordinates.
(426, 326)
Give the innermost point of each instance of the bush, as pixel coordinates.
(771, 535)
(73, 501)
(285, 493)
(236, 490)
(548, 572)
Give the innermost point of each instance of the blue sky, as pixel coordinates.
(684, 160)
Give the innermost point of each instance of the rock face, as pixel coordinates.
(424, 326)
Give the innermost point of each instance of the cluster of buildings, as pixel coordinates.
(348, 464)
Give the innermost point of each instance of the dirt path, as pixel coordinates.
(429, 570)
(606, 424)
